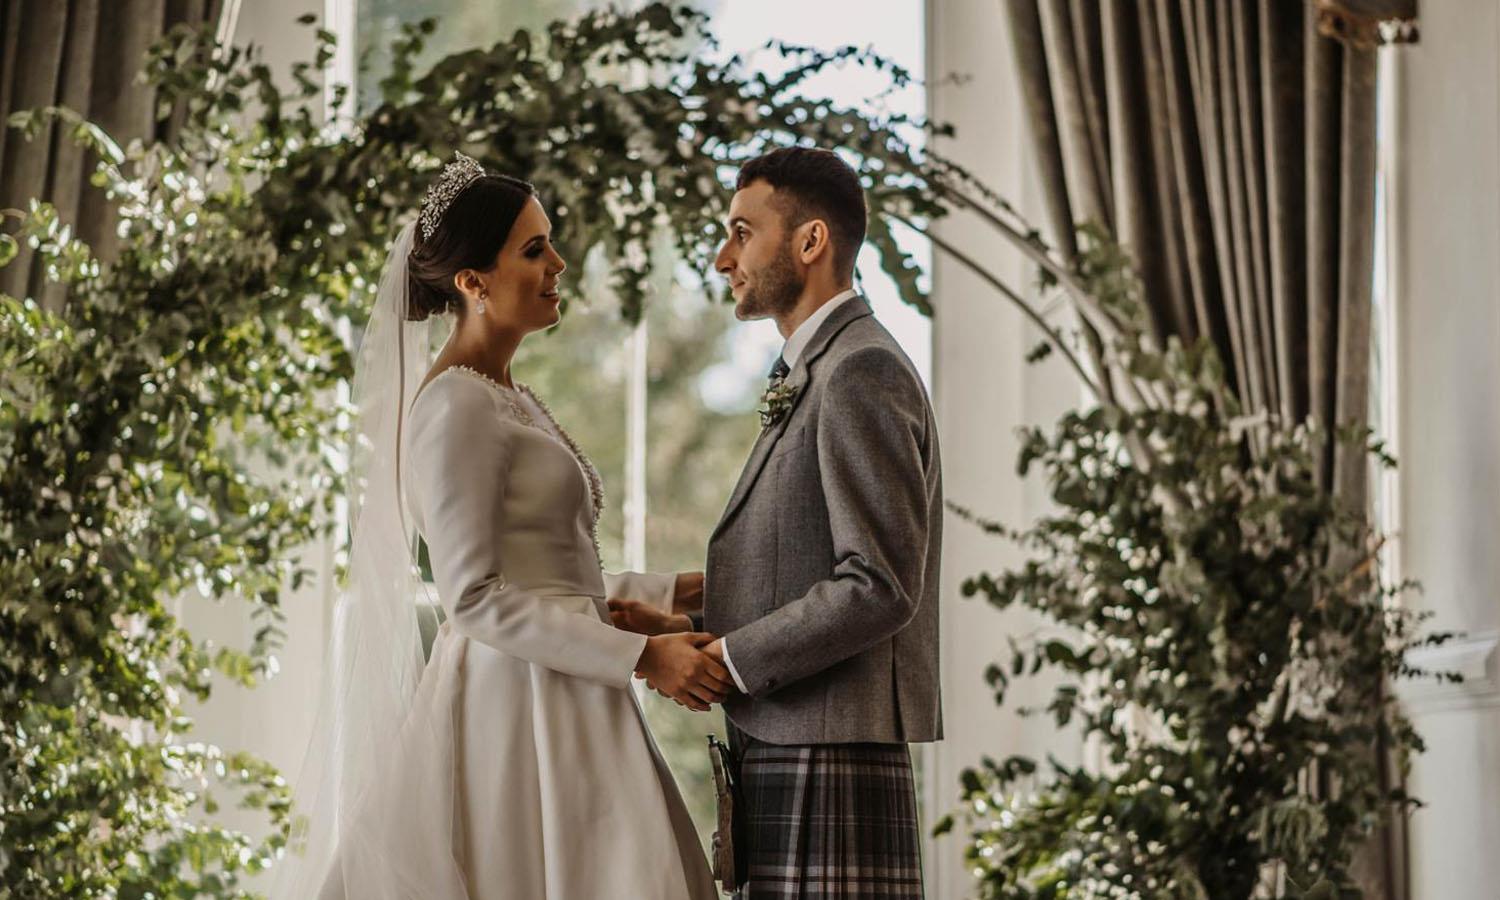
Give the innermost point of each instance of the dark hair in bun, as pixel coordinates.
(469, 235)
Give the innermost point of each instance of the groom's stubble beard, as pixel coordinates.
(775, 291)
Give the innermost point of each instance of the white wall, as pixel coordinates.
(1446, 249)
(983, 391)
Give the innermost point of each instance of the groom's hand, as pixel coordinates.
(675, 665)
(715, 648)
(643, 618)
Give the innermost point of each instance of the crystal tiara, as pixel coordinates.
(456, 176)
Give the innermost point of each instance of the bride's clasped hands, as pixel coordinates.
(677, 662)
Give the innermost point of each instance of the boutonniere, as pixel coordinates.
(775, 403)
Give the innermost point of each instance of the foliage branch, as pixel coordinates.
(1220, 628)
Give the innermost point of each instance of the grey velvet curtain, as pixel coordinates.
(1230, 146)
(86, 55)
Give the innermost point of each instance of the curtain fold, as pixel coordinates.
(1282, 62)
(1230, 147)
(86, 55)
(1236, 142)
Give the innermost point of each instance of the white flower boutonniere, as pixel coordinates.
(775, 403)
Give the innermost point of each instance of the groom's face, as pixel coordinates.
(757, 255)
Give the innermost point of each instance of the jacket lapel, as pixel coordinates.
(850, 311)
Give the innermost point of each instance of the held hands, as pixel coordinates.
(679, 666)
(678, 663)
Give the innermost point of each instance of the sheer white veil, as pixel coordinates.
(368, 731)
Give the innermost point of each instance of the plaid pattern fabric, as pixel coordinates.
(828, 821)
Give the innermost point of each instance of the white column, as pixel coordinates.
(983, 391)
(636, 346)
(1446, 248)
(341, 18)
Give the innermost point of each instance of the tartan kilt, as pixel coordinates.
(827, 821)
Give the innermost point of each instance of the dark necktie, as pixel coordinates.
(779, 371)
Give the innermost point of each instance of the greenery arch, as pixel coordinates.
(177, 461)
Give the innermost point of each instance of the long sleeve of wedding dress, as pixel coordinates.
(491, 493)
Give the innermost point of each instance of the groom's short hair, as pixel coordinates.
(815, 184)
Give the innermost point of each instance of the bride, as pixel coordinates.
(516, 763)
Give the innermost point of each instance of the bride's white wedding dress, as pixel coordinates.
(525, 733)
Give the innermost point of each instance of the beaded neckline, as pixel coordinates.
(481, 376)
(590, 473)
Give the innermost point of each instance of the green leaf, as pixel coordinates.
(1039, 352)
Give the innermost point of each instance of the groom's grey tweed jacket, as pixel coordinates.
(823, 573)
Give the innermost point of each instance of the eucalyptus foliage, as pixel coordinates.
(173, 432)
(1221, 631)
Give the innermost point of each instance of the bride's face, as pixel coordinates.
(523, 283)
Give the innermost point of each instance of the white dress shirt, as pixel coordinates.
(790, 353)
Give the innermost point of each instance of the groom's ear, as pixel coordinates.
(812, 241)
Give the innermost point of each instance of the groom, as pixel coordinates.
(822, 575)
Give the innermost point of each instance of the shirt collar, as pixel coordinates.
(804, 333)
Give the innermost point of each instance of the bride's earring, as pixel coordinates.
(479, 307)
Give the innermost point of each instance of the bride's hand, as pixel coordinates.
(642, 618)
